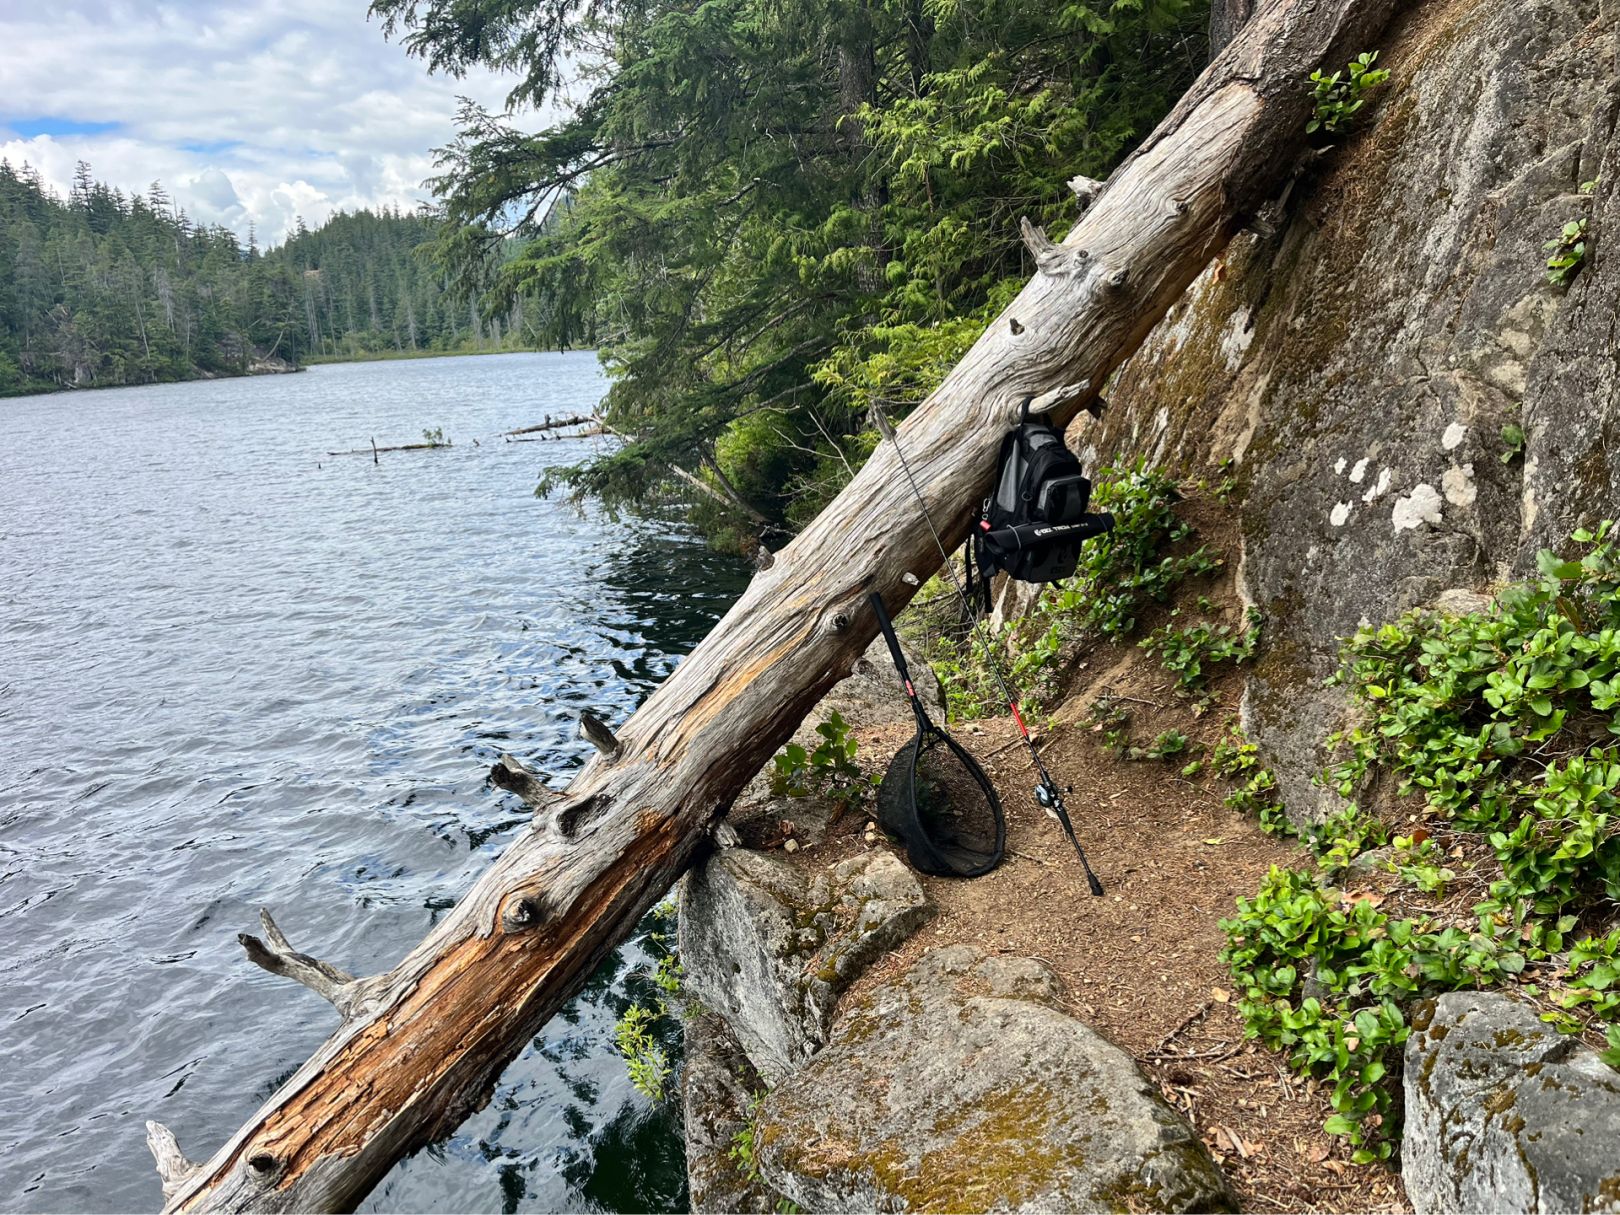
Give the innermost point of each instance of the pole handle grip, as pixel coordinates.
(887, 625)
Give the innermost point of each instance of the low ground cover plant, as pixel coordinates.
(1501, 732)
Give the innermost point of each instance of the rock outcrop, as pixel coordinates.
(965, 1086)
(1503, 1113)
(718, 1090)
(771, 952)
(1360, 363)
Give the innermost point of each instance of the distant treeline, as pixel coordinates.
(104, 288)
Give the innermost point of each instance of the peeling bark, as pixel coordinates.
(437, 1029)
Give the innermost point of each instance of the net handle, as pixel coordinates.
(887, 625)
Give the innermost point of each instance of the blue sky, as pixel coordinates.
(246, 112)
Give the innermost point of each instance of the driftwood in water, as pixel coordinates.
(589, 433)
(373, 450)
(421, 1046)
(548, 424)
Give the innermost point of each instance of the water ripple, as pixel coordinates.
(236, 672)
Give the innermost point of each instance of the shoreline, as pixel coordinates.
(391, 356)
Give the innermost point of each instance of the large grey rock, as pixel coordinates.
(964, 1086)
(1503, 1113)
(718, 1089)
(871, 695)
(770, 951)
(1361, 363)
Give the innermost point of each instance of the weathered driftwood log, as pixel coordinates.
(373, 450)
(423, 1047)
(577, 420)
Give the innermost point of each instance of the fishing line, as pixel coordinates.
(1047, 793)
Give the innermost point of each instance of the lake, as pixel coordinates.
(238, 672)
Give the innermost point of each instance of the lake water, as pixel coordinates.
(238, 672)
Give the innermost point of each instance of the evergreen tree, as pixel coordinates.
(771, 218)
(106, 289)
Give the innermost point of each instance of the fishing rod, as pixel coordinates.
(1048, 795)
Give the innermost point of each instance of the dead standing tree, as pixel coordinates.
(421, 1045)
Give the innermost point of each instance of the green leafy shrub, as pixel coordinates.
(637, 1033)
(1566, 252)
(1503, 722)
(1238, 759)
(1512, 442)
(1168, 745)
(1340, 97)
(1189, 654)
(645, 1060)
(830, 770)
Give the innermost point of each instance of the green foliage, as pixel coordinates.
(1255, 793)
(771, 219)
(637, 1032)
(1503, 723)
(435, 437)
(1368, 966)
(1566, 252)
(1120, 572)
(743, 1139)
(829, 770)
(645, 1060)
(1512, 442)
(1190, 654)
(1342, 836)
(1340, 97)
(1168, 745)
(104, 288)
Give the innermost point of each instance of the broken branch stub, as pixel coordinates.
(512, 774)
(277, 955)
(438, 1028)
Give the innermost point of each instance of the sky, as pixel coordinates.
(248, 111)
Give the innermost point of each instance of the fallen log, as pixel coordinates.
(374, 450)
(421, 1046)
(590, 433)
(548, 424)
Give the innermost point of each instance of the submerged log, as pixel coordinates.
(578, 420)
(373, 450)
(424, 1046)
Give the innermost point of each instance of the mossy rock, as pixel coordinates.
(964, 1085)
(1503, 1113)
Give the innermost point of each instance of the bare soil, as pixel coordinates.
(1140, 964)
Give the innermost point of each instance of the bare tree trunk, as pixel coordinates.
(421, 1046)
(1226, 18)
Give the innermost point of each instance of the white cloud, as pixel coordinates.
(247, 112)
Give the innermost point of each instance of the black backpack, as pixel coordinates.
(1035, 519)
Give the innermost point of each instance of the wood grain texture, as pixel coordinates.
(426, 1043)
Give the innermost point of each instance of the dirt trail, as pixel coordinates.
(1141, 963)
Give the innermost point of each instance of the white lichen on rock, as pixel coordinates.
(1359, 471)
(1338, 466)
(1422, 505)
(1236, 338)
(1453, 437)
(1339, 514)
(1458, 484)
(1380, 486)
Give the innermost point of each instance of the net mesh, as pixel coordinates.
(937, 800)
